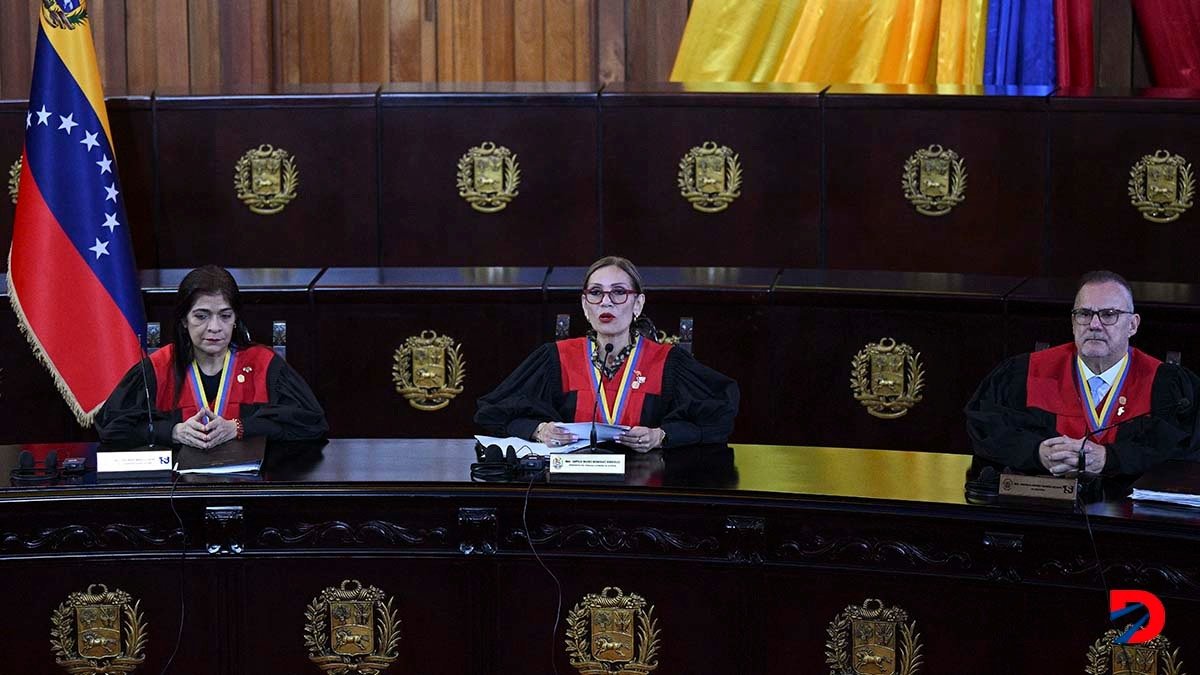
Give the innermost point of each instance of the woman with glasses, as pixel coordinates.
(664, 395)
(212, 384)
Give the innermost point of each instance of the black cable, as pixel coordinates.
(182, 578)
(1092, 538)
(557, 585)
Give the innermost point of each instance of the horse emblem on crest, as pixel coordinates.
(429, 370)
(98, 631)
(352, 629)
(863, 641)
(611, 633)
(1161, 186)
(934, 180)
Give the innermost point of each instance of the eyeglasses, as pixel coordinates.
(1108, 317)
(618, 295)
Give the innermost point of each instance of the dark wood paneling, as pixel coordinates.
(12, 143)
(552, 219)
(647, 132)
(31, 409)
(995, 230)
(819, 321)
(333, 141)
(491, 312)
(132, 123)
(1096, 140)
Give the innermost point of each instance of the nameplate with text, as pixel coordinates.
(575, 463)
(1037, 487)
(136, 462)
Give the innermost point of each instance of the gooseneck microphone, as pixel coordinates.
(1178, 406)
(608, 349)
(146, 388)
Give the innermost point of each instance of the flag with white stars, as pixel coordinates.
(72, 278)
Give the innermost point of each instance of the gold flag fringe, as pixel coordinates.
(84, 417)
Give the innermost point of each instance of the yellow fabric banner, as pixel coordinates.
(834, 41)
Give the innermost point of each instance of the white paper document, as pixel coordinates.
(582, 430)
(1178, 498)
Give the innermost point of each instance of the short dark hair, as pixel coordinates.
(205, 280)
(1104, 277)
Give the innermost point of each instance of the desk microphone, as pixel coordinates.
(146, 388)
(1178, 406)
(599, 392)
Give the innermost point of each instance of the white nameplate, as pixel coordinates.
(158, 459)
(574, 463)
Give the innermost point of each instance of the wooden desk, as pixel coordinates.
(746, 554)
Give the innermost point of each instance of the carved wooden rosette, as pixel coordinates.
(352, 629)
(873, 640)
(1161, 186)
(265, 179)
(611, 633)
(1154, 657)
(488, 177)
(429, 370)
(934, 180)
(887, 378)
(98, 631)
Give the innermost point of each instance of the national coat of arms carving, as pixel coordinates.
(98, 631)
(429, 370)
(352, 629)
(265, 179)
(1161, 186)
(873, 640)
(66, 19)
(488, 176)
(887, 378)
(710, 177)
(1155, 657)
(14, 180)
(611, 633)
(934, 180)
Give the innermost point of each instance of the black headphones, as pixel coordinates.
(26, 472)
(502, 465)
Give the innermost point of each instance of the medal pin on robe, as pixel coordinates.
(1121, 403)
(638, 379)
(241, 378)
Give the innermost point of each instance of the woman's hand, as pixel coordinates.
(642, 439)
(553, 435)
(191, 431)
(220, 430)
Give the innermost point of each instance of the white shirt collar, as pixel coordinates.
(1109, 376)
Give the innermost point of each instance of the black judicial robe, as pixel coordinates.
(1016, 407)
(272, 401)
(691, 402)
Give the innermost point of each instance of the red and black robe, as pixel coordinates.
(270, 397)
(663, 387)
(1032, 397)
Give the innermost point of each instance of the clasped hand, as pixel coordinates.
(1061, 454)
(197, 433)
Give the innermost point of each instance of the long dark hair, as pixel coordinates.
(206, 280)
(642, 325)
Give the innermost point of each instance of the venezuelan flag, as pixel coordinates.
(72, 279)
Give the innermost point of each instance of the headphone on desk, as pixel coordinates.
(27, 472)
(496, 465)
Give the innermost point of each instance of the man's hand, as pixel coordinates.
(1061, 454)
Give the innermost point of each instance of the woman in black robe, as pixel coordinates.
(662, 393)
(212, 384)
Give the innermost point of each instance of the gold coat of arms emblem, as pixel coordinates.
(934, 180)
(710, 177)
(352, 629)
(14, 180)
(887, 378)
(873, 640)
(611, 633)
(63, 19)
(265, 179)
(488, 176)
(1161, 186)
(429, 370)
(98, 631)
(1155, 657)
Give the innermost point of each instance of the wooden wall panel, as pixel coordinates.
(374, 57)
(499, 64)
(18, 32)
(528, 51)
(314, 42)
(287, 42)
(170, 40)
(204, 48)
(344, 55)
(108, 31)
